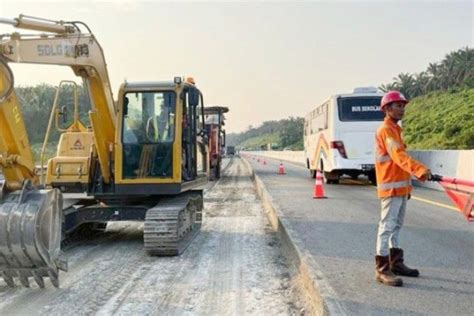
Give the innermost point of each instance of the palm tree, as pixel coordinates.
(389, 86)
(433, 72)
(456, 69)
(421, 84)
(405, 83)
(464, 65)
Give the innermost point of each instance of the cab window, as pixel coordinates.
(148, 134)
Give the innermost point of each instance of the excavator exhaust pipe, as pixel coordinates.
(30, 236)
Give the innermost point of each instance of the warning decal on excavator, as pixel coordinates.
(78, 145)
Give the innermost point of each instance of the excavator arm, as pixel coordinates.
(30, 217)
(68, 46)
(30, 220)
(16, 158)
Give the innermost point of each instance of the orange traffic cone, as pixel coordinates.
(281, 168)
(318, 187)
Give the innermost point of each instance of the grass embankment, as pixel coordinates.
(260, 141)
(441, 120)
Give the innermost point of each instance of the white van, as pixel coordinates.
(339, 135)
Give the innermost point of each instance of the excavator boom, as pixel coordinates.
(16, 157)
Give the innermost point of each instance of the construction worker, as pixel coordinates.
(394, 169)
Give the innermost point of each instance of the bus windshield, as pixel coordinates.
(359, 109)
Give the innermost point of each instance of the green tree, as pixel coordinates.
(455, 70)
(291, 132)
(37, 101)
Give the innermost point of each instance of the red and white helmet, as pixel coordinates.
(392, 96)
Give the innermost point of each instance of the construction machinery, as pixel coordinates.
(214, 120)
(230, 151)
(144, 157)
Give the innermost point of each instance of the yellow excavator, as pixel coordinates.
(144, 157)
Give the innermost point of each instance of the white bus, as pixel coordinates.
(339, 135)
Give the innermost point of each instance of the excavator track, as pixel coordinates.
(172, 224)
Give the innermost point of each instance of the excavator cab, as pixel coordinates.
(160, 145)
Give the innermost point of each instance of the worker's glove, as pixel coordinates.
(436, 177)
(409, 196)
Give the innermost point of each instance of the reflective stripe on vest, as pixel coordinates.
(394, 185)
(392, 144)
(384, 158)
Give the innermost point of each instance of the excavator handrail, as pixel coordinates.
(50, 123)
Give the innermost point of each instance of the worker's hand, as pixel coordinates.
(426, 176)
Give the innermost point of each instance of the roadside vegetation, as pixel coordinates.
(441, 120)
(440, 115)
(456, 70)
(277, 135)
(37, 102)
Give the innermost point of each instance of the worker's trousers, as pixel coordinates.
(391, 221)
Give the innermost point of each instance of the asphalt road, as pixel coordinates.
(339, 235)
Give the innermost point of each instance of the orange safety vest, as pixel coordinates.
(393, 166)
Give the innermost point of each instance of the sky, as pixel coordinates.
(265, 60)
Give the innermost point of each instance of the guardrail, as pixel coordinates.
(451, 163)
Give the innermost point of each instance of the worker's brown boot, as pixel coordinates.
(383, 273)
(398, 267)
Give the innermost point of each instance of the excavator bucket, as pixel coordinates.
(30, 236)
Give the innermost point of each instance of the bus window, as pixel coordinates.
(325, 114)
(319, 119)
(359, 109)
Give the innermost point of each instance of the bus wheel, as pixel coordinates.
(331, 178)
(372, 178)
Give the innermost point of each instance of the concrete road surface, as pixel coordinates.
(233, 267)
(338, 234)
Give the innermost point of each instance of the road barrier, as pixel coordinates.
(451, 163)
